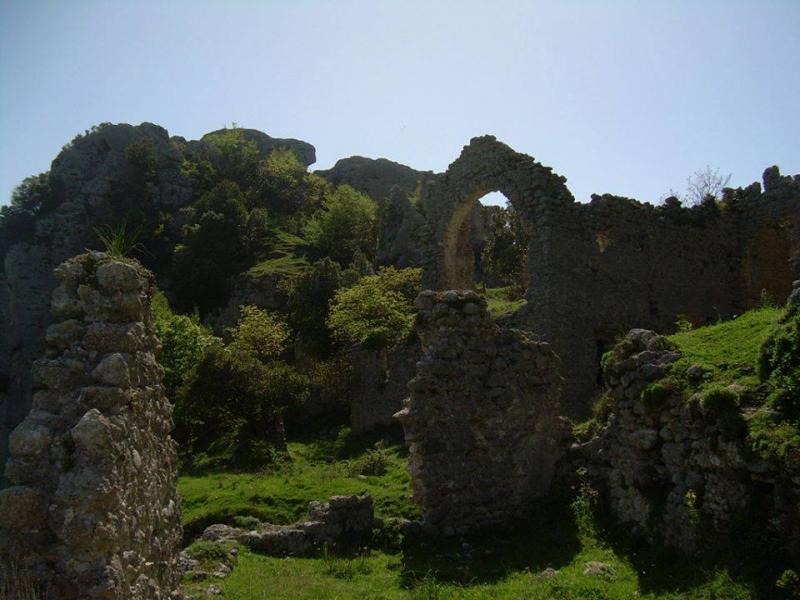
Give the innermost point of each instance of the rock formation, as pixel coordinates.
(482, 421)
(93, 511)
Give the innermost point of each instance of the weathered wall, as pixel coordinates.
(598, 269)
(380, 384)
(482, 421)
(674, 472)
(93, 511)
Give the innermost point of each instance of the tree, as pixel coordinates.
(506, 250)
(701, 186)
(378, 311)
(309, 296)
(259, 334)
(346, 223)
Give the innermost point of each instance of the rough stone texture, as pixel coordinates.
(93, 510)
(669, 469)
(598, 269)
(375, 177)
(340, 520)
(482, 421)
(380, 384)
(84, 176)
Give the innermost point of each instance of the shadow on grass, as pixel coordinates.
(548, 538)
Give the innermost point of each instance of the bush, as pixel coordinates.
(309, 296)
(346, 224)
(234, 404)
(184, 342)
(372, 463)
(246, 522)
(258, 334)
(718, 400)
(378, 310)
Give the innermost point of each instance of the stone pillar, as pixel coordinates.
(482, 421)
(93, 510)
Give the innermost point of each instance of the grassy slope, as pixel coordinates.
(285, 259)
(500, 565)
(726, 347)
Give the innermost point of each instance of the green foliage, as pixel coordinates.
(214, 249)
(718, 400)
(209, 552)
(119, 241)
(283, 186)
(506, 252)
(372, 463)
(258, 334)
(378, 310)
(246, 522)
(237, 402)
(236, 158)
(346, 223)
(655, 395)
(504, 302)
(308, 302)
(584, 507)
(29, 199)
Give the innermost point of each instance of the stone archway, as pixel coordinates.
(484, 166)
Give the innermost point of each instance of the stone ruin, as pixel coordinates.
(482, 422)
(597, 270)
(670, 468)
(93, 510)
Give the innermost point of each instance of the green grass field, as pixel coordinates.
(503, 564)
(500, 305)
(725, 348)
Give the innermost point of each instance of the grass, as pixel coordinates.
(502, 302)
(728, 350)
(286, 258)
(496, 564)
(281, 495)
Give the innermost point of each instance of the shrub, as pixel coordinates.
(372, 463)
(718, 400)
(246, 522)
(258, 334)
(378, 310)
(184, 342)
(346, 223)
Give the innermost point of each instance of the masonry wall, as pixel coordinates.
(676, 473)
(93, 509)
(482, 420)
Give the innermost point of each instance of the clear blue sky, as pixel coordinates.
(626, 97)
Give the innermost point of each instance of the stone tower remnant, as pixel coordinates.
(482, 422)
(93, 509)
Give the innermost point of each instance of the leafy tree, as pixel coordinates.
(259, 334)
(346, 224)
(308, 302)
(214, 248)
(281, 185)
(378, 310)
(18, 219)
(184, 343)
(506, 251)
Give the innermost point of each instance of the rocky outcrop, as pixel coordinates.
(375, 177)
(305, 152)
(678, 469)
(482, 421)
(93, 511)
(340, 520)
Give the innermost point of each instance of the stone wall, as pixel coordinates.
(482, 421)
(93, 510)
(380, 384)
(598, 269)
(675, 471)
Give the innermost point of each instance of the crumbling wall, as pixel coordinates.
(380, 384)
(675, 471)
(595, 270)
(93, 510)
(482, 421)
